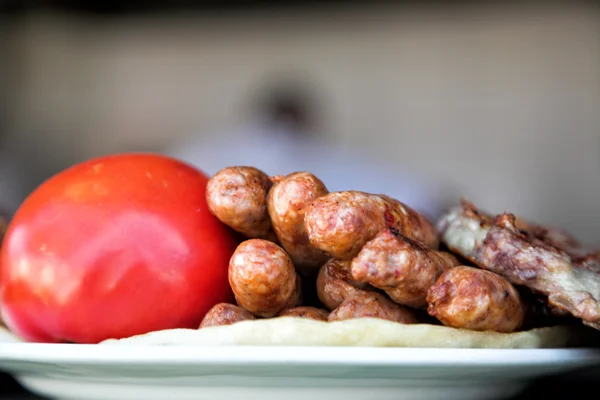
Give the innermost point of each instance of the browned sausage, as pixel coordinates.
(476, 299)
(225, 314)
(306, 312)
(297, 297)
(341, 223)
(334, 283)
(237, 196)
(403, 268)
(286, 203)
(372, 305)
(263, 278)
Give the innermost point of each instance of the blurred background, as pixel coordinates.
(495, 101)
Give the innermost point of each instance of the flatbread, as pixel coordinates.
(293, 331)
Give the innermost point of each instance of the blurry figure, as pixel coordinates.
(282, 138)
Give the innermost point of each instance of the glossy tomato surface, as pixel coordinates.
(113, 247)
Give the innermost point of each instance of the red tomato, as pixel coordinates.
(113, 247)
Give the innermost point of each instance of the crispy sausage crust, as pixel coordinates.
(405, 269)
(286, 203)
(306, 312)
(237, 197)
(497, 245)
(372, 305)
(334, 283)
(472, 298)
(341, 223)
(225, 314)
(263, 278)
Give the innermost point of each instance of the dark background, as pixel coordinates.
(116, 7)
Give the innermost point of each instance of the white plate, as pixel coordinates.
(92, 372)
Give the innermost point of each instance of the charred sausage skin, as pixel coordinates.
(286, 204)
(237, 196)
(341, 223)
(404, 268)
(475, 299)
(306, 312)
(372, 305)
(263, 278)
(334, 283)
(225, 314)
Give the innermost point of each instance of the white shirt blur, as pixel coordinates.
(281, 153)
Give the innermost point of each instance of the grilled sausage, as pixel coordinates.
(263, 278)
(334, 283)
(225, 314)
(405, 269)
(341, 223)
(475, 299)
(306, 312)
(286, 203)
(372, 305)
(237, 196)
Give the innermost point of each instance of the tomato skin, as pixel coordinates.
(113, 247)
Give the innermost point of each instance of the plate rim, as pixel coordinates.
(132, 354)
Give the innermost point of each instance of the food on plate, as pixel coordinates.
(556, 237)
(471, 298)
(306, 312)
(146, 249)
(225, 314)
(341, 223)
(551, 235)
(372, 305)
(538, 313)
(404, 268)
(238, 197)
(369, 332)
(335, 284)
(263, 278)
(499, 246)
(286, 202)
(581, 257)
(112, 247)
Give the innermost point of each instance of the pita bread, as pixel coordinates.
(293, 331)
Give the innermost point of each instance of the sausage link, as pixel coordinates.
(403, 268)
(225, 314)
(448, 260)
(237, 196)
(475, 299)
(341, 223)
(286, 203)
(334, 283)
(297, 296)
(305, 312)
(263, 278)
(372, 305)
